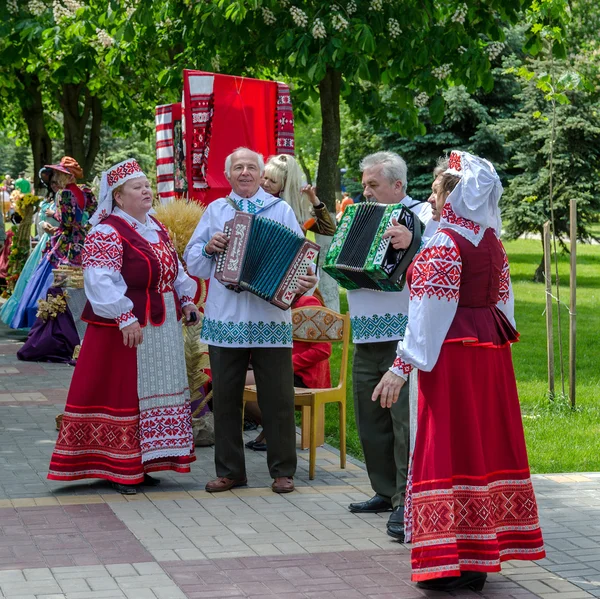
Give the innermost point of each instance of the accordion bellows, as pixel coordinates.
(360, 257)
(265, 258)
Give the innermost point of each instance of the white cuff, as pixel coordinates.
(125, 319)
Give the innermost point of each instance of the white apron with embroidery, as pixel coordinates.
(165, 413)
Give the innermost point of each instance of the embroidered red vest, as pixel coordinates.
(478, 319)
(149, 269)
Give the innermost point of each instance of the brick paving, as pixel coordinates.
(84, 541)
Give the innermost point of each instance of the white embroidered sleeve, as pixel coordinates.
(185, 286)
(104, 286)
(506, 303)
(199, 263)
(433, 303)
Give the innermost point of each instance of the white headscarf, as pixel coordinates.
(111, 179)
(477, 195)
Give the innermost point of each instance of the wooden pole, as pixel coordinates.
(573, 305)
(549, 323)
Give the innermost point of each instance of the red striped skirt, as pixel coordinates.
(473, 504)
(99, 435)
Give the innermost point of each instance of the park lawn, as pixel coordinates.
(558, 439)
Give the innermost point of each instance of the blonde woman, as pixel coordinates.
(283, 178)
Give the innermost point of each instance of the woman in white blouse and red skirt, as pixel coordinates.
(472, 504)
(128, 410)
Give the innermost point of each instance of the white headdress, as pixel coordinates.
(110, 180)
(477, 195)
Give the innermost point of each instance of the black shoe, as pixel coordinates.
(150, 481)
(124, 489)
(395, 525)
(375, 505)
(261, 446)
(467, 580)
(250, 425)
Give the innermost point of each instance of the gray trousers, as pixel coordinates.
(274, 376)
(384, 433)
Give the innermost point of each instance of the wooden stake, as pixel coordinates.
(573, 305)
(549, 323)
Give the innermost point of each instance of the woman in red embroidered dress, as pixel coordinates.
(473, 504)
(128, 410)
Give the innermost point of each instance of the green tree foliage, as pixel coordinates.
(68, 67)
(467, 125)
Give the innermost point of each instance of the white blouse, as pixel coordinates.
(102, 262)
(238, 319)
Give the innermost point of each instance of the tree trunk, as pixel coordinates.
(328, 175)
(76, 118)
(32, 110)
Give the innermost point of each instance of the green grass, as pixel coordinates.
(558, 438)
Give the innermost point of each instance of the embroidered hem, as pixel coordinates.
(246, 334)
(376, 328)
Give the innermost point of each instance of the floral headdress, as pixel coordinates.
(111, 179)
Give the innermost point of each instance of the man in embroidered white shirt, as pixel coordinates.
(378, 323)
(239, 325)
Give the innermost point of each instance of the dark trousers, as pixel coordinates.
(274, 377)
(384, 433)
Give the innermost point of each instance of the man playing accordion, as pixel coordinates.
(378, 323)
(237, 325)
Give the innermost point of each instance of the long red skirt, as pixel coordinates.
(99, 434)
(473, 504)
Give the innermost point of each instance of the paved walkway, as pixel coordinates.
(83, 540)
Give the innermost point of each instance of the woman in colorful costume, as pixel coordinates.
(128, 410)
(283, 178)
(74, 204)
(47, 226)
(473, 504)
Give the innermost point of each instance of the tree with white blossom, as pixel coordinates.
(354, 49)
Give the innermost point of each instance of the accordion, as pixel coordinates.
(265, 258)
(360, 257)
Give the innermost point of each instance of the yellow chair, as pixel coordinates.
(317, 324)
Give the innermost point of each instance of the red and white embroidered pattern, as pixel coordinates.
(473, 511)
(284, 121)
(186, 299)
(166, 431)
(200, 111)
(400, 364)
(436, 273)
(121, 172)
(504, 294)
(124, 317)
(99, 433)
(103, 250)
(451, 217)
(454, 161)
(168, 267)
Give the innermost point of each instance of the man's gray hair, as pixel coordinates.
(259, 158)
(394, 167)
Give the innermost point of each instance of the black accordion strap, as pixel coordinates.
(415, 203)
